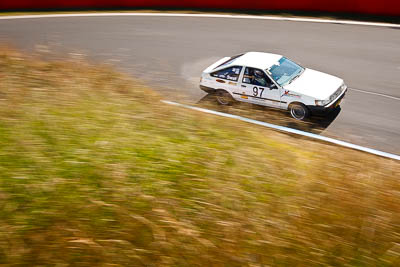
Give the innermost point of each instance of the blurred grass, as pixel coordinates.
(96, 171)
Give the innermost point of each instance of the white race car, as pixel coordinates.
(275, 81)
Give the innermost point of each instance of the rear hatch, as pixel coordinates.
(216, 64)
(221, 62)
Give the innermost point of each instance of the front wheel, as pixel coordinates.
(224, 98)
(299, 111)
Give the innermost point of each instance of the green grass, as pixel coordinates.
(96, 171)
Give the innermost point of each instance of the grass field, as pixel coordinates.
(96, 171)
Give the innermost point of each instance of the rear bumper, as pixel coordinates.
(319, 110)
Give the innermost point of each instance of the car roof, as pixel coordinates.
(258, 60)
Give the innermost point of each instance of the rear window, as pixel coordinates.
(231, 73)
(229, 61)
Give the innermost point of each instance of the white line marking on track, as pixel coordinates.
(372, 93)
(289, 130)
(347, 22)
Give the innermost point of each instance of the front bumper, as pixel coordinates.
(322, 110)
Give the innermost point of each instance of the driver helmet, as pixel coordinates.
(258, 74)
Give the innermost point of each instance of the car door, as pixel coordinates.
(258, 88)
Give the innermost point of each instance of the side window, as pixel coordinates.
(231, 74)
(256, 77)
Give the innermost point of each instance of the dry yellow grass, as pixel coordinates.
(96, 171)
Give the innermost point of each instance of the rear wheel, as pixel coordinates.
(299, 111)
(224, 98)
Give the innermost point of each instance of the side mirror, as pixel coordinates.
(273, 86)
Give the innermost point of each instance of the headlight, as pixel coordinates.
(343, 87)
(321, 102)
(336, 93)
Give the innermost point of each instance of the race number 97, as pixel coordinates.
(257, 90)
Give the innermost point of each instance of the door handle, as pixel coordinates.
(243, 85)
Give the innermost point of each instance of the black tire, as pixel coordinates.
(224, 98)
(299, 111)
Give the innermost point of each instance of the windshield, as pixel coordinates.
(285, 71)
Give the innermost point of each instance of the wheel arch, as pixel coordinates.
(222, 89)
(296, 102)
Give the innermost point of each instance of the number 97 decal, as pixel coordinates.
(257, 90)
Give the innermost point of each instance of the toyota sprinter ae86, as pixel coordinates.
(274, 81)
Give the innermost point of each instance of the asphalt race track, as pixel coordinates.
(171, 52)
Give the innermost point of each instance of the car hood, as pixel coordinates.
(316, 84)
